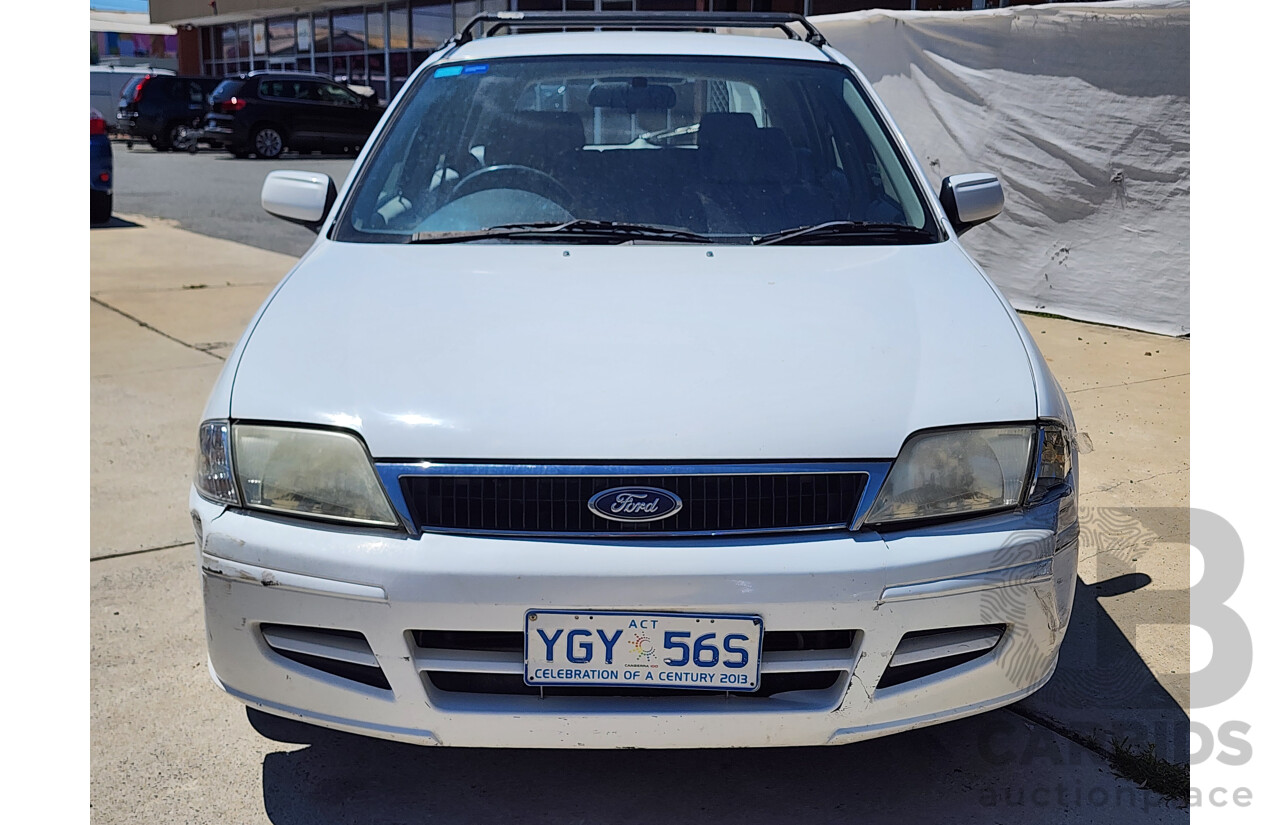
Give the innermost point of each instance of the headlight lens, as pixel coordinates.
(213, 463)
(956, 472)
(318, 473)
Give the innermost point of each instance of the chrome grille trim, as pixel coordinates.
(391, 473)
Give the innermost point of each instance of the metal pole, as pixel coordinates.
(386, 46)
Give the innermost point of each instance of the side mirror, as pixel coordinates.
(971, 199)
(299, 197)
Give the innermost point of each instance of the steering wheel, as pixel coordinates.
(514, 176)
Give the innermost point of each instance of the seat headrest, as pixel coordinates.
(529, 138)
(735, 151)
(718, 129)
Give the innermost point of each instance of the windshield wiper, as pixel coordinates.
(848, 231)
(576, 230)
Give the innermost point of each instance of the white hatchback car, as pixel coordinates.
(636, 392)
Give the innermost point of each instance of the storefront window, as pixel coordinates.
(398, 27)
(432, 24)
(793, 6)
(242, 51)
(377, 75)
(348, 31)
(399, 71)
(229, 42)
(377, 38)
(304, 34)
(464, 10)
(320, 34)
(282, 37)
(380, 44)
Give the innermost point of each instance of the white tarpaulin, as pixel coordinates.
(1083, 110)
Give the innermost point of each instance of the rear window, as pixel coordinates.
(131, 87)
(226, 90)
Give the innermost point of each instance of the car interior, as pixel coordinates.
(712, 156)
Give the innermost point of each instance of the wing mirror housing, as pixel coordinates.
(971, 199)
(299, 197)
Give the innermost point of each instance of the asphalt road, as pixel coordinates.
(213, 193)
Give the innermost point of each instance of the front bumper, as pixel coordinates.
(1015, 571)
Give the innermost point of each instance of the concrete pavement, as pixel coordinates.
(166, 307)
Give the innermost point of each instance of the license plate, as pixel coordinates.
(698, 651)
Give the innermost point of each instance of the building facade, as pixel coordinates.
(380, 44)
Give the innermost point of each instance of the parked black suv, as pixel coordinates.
(161, 109)
(265, 112)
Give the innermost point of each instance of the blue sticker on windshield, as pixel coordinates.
(454, 71)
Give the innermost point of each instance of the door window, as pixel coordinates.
(331, 93)
(284, 89)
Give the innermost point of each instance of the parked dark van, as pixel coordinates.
(264, 113)
(163, 109)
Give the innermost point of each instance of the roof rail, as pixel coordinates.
(489, 23)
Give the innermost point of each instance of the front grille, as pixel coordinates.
(557, 504)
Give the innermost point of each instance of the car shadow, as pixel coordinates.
(1103, 688)
(116, 222)
(981, 769)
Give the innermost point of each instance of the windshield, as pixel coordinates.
(723, 149)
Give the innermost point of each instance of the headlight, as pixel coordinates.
(318, 473)
(956, 472)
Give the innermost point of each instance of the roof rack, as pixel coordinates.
(490, 23)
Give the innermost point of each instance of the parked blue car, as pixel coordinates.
(100, 174)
